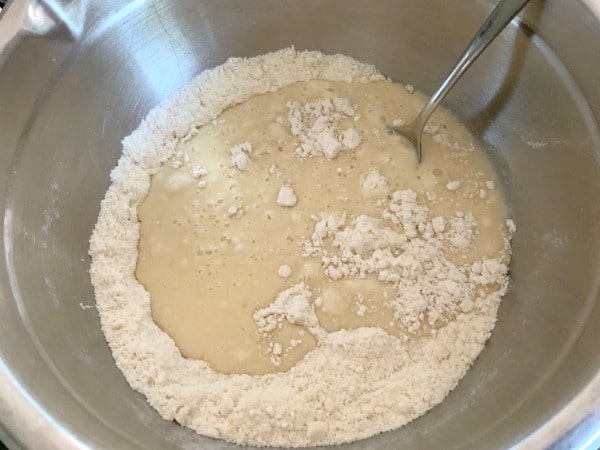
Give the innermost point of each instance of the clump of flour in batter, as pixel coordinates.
(317, 125)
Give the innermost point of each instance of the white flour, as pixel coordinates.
(356, 383)
(375, 182)
(428, 287)
(239, 156)
(316, 124)
(286, 196)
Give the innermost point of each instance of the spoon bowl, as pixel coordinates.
(501, 16)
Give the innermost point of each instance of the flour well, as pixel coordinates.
(441, 294)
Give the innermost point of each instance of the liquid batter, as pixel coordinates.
(219, 239)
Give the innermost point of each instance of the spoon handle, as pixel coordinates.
(504, 12)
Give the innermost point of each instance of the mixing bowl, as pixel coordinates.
(78, 76)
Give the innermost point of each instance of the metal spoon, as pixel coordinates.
(500, 17)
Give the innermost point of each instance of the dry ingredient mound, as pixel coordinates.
(355, 383)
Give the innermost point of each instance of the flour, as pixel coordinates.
(239, 156)
(360, 307)
(179, 159)
(199, 171)
(428, 286)
(356, 382)
(462, 230)
(286, 196)
(453, 185)
(375, 182)
(317, 125)
(284, 271)
(294, 305)
(510, 224)
(235, 211)
(274, 170)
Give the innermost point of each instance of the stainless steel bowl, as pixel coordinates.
(76, 77)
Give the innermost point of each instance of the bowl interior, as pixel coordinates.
(528, 102)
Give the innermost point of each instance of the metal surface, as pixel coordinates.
(68, 96)
(500, 17)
